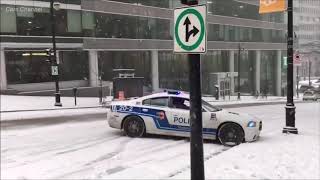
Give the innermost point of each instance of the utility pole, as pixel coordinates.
(54, 65)
(290, 107)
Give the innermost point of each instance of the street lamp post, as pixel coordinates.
(290, 107)
(54, 63)
(239, 55)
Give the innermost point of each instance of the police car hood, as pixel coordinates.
(235, 116)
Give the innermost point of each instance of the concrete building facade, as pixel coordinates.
(307, 18)
(96, 36)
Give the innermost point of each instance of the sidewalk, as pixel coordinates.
(11, 103)
(35, 107)
(232, 101)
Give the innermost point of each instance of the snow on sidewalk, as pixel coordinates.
(26, 115)
(247, 100)
(43, 107)
(17, 103)
(24, 103)
(277, 156)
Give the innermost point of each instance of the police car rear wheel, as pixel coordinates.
(134, 127)
(230, 134)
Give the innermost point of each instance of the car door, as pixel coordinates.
(212, 116)
(155, 110)
(211, 121)
(178, 114)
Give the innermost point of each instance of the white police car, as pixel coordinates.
(167, 113)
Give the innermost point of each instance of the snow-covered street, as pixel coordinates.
(93, 150)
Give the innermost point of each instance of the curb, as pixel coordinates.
(30, 110)
(32, 122)
(254, 104)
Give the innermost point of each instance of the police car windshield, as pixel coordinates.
(210, 107)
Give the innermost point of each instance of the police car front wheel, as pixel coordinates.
(230, 134)
(134, 126)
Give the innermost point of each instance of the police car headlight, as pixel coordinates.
(252, 124)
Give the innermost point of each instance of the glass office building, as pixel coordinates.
(96, 36)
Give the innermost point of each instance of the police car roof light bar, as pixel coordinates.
(173, 92)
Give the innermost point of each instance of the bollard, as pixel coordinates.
(75, 95)
(217, 92)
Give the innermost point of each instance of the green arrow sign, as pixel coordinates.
(190, 29)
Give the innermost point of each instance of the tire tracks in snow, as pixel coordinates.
(51, 147)
(119, 167)
(89, 165)
(82, 145)
(205, 158)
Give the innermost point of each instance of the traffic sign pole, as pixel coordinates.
(196, 139)
(190, 37)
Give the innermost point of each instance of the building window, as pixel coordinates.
(27, 67)
(88, 24)
(74, 65)
(65, 1)
(8, 24)
(173, 71)
(139, 61)
(218, 32)
(74, 21)
(34, 66)
(121, 26)
(268, 75)
(36, 21)
(213, 62)
(239, 9)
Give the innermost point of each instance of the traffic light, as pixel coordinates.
(189, 2)
(49, 54)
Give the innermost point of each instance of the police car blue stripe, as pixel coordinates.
(160, 124)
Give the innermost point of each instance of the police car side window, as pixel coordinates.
(146, 102)
(180, 103)
(161, 101)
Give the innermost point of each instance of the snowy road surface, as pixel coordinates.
(93, 150)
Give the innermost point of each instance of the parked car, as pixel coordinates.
(316, 84)
(304, 85)
(311, 95)
(304, 88)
